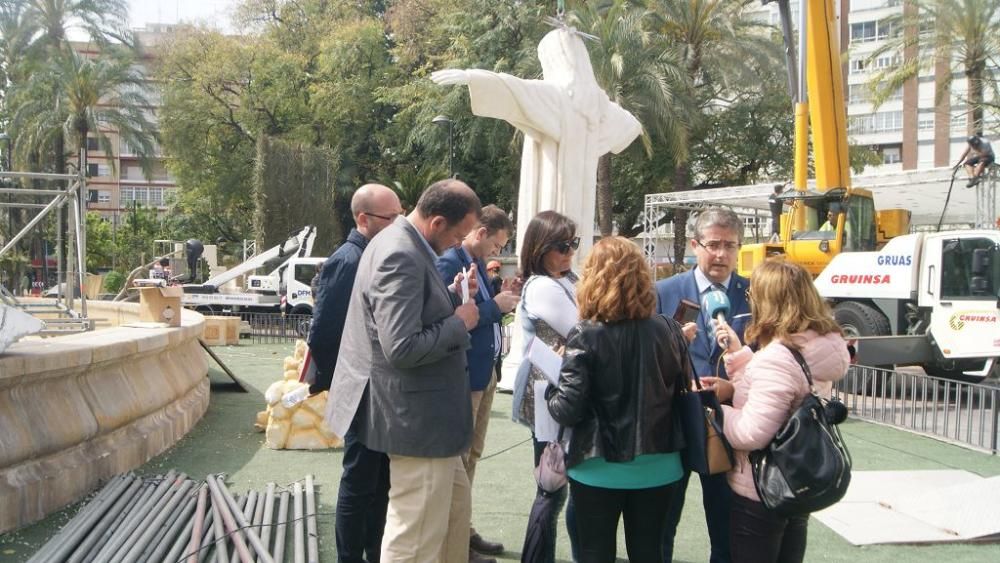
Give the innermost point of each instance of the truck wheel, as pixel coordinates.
(302, 315)
(859, 319)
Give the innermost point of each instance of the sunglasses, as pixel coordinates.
(565, 246)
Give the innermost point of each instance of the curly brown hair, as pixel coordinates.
(784, 301)
(617, 283)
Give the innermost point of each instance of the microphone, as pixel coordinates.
(716, 304)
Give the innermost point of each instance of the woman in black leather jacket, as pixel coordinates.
(621, 374)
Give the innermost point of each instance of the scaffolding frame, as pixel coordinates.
(70, 191)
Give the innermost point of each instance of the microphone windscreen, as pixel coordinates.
(715, 302)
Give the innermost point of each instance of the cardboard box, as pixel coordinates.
(160, 305)
(221, 331)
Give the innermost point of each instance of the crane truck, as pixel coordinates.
(927, 299)
(284, 289)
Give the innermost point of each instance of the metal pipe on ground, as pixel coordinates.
(265, 535)
(279, 532)
(138, 514)
(311, 533)
(258, 517)
(300, 540)
(262, 553)
(132, 548)
(247, 512)
(230, 516)
(175, 530)
(183, 509)
(207, 534)
(65, 542)
(241, 504)
(195, 532)
(218, 528)
(110, 523)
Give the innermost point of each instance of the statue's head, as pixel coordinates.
(565, 59)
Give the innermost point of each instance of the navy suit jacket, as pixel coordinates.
(483, 350)
(705, 351)
(333, 294)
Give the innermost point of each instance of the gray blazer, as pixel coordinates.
(402, 368)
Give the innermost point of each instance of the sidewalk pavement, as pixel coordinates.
(224, 441)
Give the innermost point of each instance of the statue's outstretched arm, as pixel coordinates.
(450, 76)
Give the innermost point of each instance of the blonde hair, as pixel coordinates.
(784, 301)
(616, 284)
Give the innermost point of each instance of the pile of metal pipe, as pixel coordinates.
(173, 519)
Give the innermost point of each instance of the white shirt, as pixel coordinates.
(705, 284)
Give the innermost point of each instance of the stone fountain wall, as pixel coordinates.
(76, 410)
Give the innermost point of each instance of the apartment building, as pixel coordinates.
(116, 181)
(914, 128)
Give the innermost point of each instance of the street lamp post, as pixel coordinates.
(5, 138)
(445, 120)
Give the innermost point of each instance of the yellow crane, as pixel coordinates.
(817, 88)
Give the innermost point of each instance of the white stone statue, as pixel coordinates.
(15, 323)
(568, 124)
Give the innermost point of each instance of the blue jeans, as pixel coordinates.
(717, 499)
(361, 501)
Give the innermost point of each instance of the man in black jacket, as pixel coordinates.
(364, 484)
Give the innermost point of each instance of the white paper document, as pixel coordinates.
(545, 359)
(465, 286)
(546, 428)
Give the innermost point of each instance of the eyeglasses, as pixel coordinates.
(717, 245)
(564, 246)
(386, 217)
(494, 270)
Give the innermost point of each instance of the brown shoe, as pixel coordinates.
(477, 543)
(477, 558)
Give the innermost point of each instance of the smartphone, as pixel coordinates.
(687, 312)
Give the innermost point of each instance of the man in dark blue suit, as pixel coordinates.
(485, 240)
(718, 235)
(364, 484)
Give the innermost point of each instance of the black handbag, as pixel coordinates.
(707, 451)
(806, 467)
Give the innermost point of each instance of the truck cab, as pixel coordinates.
(934, 297)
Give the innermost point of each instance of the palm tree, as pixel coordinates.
(719, 48)
(74, 97)
(961, 36)
(638, 75)
(103, 21)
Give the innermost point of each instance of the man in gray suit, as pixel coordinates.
(402, 371)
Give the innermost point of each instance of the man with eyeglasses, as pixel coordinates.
(486, 239)
(364, 484)
(718, 236)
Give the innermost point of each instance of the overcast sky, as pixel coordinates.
(213, 12)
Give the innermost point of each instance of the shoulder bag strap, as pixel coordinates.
(802, 363)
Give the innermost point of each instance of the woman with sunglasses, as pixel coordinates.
(547, 311)
(766, 387)
(620, 378)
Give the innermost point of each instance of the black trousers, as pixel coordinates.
(716, 498)
(761, 536)
(361, 501)
(599, 511)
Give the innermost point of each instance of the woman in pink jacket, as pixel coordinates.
(765, 388)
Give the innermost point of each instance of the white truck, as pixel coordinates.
(928, 299)
(284, 289)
